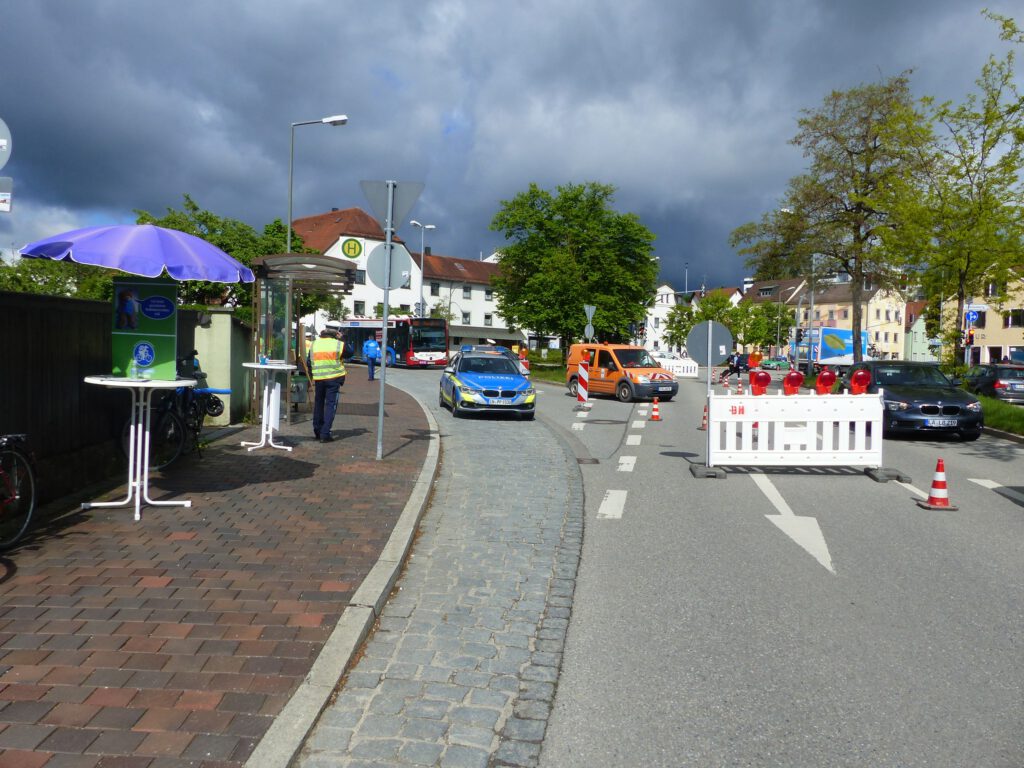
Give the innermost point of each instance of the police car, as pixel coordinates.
(476, 381)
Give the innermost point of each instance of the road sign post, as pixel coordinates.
(389, 200)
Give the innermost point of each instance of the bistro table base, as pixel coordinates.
(271, 404)
(138, 445)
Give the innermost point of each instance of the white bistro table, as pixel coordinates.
(138, 443)
(271, 402)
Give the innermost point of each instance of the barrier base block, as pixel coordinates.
(703, 471)
(885, 474)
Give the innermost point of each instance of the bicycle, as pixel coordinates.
(17, 488)
(178, 417)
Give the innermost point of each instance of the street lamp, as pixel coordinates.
(332, 120)
(423, 261)
(686, 277)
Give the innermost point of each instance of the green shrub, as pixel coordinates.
(1006, 417)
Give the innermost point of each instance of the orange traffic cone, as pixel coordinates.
(938, 498)
(704, 421)
(655, 416)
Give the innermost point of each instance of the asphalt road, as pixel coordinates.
(702, 634)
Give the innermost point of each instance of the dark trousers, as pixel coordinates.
(325, 405)
(370, 365)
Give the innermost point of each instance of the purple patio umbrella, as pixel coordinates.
(142, 249)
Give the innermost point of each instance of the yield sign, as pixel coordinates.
(406, 195)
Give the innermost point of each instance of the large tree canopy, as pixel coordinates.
(569, 249)
(829, 220)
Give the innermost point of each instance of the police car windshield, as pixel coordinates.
(636, 358)
(490, 364)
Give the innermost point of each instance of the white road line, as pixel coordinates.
(633, 439)
(999, 488)
(626, 463)
(582, 414)
(612, 505)
(803, 530)
(639, 424)
(578, 426)
(912, 489)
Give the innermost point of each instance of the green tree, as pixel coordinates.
(836, 224)
(682, 318)
(569, 249)
(57, 278)
(957, 205)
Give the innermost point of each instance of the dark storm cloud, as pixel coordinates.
(685, 107)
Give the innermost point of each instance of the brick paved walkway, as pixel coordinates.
(173, 642)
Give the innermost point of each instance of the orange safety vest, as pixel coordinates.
(325, 356)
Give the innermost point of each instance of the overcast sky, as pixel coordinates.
(685, 107)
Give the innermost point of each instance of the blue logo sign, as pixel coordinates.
(144, 354)
(972, 316)
(157, 307)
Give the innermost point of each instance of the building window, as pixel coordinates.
(404, 308)
(1013, 318)
(895, 338)
(831, 314)
(888, 315)
(435, 289)
(657, 322)
(817, 315)
(360, 277)
(878, 314)
(488, 318)
(360, 308)
(465, 318)
(876, 335)
(846, 314)
(980, 322)
(885, 337)
(467, 292)
(408, 282)
(488, 294)
(764, 292)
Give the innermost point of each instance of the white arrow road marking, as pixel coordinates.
(633, 439)
(803, 530)
(578, 426)
(626, 463)
(639, 424)
(999, 488)
(612, 505)
(912, 489)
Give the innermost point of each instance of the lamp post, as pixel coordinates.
(423, 261)
(332, 120)
(686, 277)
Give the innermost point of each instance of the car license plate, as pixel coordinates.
(1016, 387)
(664, 389)
(940, 422)
(500, 401)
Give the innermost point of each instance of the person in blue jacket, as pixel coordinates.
(371, 354)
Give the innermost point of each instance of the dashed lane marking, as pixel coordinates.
(578, 426)
(999, 488)
(912, 489)
(633, 439)
(626, 463)
(612, 505)
(639, 424)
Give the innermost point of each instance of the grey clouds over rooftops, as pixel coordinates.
(685, 107)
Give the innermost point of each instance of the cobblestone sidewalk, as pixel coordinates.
(461, 671)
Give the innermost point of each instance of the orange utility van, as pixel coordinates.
(622, 370)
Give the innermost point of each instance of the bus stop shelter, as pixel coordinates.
(282, 280)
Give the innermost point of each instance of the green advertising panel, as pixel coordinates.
(145, 328)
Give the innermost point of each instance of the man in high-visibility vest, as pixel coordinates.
(328, 371)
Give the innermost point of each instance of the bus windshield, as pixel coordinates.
(427, 339)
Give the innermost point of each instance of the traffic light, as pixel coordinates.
(970, 337)
(799, 335)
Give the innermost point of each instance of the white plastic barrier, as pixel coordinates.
(795, 430)
(681, 369)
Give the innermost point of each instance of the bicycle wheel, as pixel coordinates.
(166, 440)
(17, 496)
